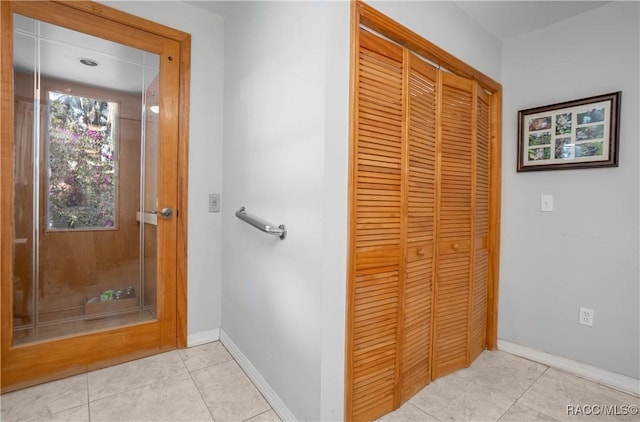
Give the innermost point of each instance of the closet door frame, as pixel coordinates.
(363, 15)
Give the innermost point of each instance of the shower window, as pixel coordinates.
(82, 165)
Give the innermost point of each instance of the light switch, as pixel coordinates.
(546, 203)
(214, 202)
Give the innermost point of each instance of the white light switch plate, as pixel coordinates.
(214, 202)
(546, 203)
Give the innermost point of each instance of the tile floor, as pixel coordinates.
(502, 387)
(204, 383)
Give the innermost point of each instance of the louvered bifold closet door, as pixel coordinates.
(454, 228)
(420, 191)
(378, 236)
(481, 228)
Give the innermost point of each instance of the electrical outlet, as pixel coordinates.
(586, 317)
(214, 202)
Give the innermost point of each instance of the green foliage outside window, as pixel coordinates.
(82, 177)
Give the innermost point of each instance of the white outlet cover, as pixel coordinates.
(546, 203)
(586, 317)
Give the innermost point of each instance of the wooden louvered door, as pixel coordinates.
(420, 190)
(480, 273)
(421, 230)
(378, 250)
(455, 224)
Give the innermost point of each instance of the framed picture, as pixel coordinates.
(574, 134)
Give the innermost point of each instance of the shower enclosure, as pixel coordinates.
(85, 182)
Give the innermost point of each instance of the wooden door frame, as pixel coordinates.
(95, 14)
(363, 15)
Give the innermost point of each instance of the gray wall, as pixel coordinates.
(585, 252)
(285, 159)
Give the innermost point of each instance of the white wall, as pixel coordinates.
(447, 26)
(585, 252)
(205, 152)
(276, 140)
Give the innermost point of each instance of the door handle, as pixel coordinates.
(166, 213)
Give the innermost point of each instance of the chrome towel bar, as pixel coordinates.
(260, 224)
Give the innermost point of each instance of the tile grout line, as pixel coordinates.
(198, 387)
(88, 395)
(421, 410)
(252, 383)
(195, 384)
(140, 386)
(525, 392)
(262, 413)
(199, 369)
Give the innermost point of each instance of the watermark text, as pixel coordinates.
(601, 409)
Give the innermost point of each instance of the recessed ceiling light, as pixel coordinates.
(88, 62)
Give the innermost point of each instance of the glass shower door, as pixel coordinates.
(92, 101)
(85, 182)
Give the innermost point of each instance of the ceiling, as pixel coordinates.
(126, 69)
(503, 19)
(508, 19)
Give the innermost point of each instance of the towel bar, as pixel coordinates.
(260, 224)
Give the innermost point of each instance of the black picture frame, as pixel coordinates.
(573, 134)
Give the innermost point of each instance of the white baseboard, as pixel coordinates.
(203, 337)
(274, 400)
(619, 382)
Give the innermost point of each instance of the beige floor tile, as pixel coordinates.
(127, 376)
(269, 416)
(454, 398)
(173, 399)
(206, 355)
(44, 401)
(520, 413)
(228, 392)
(502, 373)
(407, 413)
(556, 390)
(77, 414)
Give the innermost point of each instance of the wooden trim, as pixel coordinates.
(74, 18)
(351, 263)
(495, 178)
(167, 176)
(6, 176)
(115, 15)
(183, 192)
(83, 350)
(391, 29)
